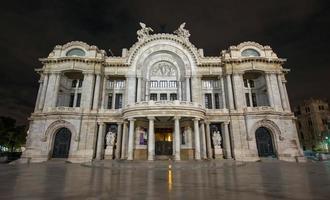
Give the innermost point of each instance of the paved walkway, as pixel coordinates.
(166, 180)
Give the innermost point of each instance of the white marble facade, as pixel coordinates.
(163, 83)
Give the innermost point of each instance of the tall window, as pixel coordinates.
(208, 101)
(153, 96)
(173, 97)
(110, 101)
(118, 101)
(216, 101)
(163, 96)
(71, 100)
(78, 100)
(247, 98)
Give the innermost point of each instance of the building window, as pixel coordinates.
(321, 107)
(163, 96)
(118, 101)
(307, 109)
(324, 121)
(254, 100)
(78, 100)
(247, 99)
(208, 101)
(76, 52)
(310, 124)
(71, 100)
(80, 83)
(74, 84)
(163, 84)
(302, 135)
(110, 101)
(216, 101)
(250, 53)
(153, 96)
(173, 97)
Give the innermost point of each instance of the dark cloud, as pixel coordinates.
(296, 29)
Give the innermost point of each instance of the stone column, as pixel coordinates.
(87, 91)
(223, 93)
(239, 91)
(177, 155)
(41, 83)
(188, 98)
(100, 141)
(208, 140)
(197, 140)
(147, 92)
(286, 96)
(118, 143)
(43, 93)
(230, 93)
(179, 90)
(130, 89)
(97, 92)
(151, 139)
(130, 150)
(124, 141)
(204, 155)
(196, 92)
(282, 94)
(269, 91)
(138, 93)
(56, 89)
(49, 91)
(104, 87)
(226, 140)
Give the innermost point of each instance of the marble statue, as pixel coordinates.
(143, 32)
(216, 137)
(110, 138)
(182, 32)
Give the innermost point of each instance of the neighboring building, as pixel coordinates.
(162, 99)
(313, 118)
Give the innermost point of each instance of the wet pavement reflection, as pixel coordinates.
(166, 180)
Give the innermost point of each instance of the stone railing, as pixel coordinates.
(65, 109)
(165, 103)
(259, 109)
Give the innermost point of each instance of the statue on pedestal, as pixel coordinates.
(110, 138)
(216, 137)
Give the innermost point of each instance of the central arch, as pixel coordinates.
(265, 144)
(62, 142)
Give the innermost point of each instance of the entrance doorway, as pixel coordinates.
(164, 141)
(264, 143)
(62, 143)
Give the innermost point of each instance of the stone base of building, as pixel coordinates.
(187, 154)
(140, 154)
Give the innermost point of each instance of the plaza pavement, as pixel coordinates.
(166, 180)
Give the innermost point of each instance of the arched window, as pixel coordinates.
(250, 53)
(75, 52)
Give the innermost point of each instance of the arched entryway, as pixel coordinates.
(62, 143)
(264, 143)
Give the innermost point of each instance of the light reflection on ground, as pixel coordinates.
(166, 180)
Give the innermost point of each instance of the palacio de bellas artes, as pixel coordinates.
(162, 99)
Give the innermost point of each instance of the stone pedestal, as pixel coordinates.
(218, 153)
(108, 154)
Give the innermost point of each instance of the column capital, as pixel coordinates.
(151, 118)
(226, 122)
(131, 119)
(101, 123)
(207, 123)
(119, 123)
(196, 119)
(177, 117)
(238, 73)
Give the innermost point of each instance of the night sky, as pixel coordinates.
(296, 29)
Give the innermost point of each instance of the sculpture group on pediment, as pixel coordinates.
(182, 32)
(163, 69)
(143, 32)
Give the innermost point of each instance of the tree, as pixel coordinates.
(11, 136)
